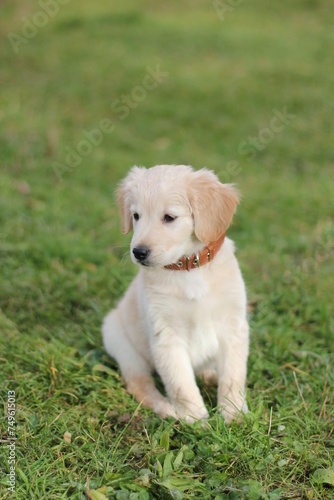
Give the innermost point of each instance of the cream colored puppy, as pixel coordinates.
(185, 312)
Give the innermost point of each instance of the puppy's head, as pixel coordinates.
(173, 211)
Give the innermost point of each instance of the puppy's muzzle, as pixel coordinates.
(141, 254)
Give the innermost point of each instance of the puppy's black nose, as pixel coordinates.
(141, 253)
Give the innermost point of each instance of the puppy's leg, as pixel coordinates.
(142, 388)
(134, 368)
(232, 367)
(174, 366)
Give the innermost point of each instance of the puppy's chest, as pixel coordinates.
(193, 322)
(202, 340)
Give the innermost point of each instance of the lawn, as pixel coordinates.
(89, 89)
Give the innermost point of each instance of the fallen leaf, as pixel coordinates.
(124, 418)
(67, 437)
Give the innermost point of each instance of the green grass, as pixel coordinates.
(64, 264)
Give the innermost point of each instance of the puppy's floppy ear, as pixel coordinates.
(124, 207)
(213, 204)
(123, 196)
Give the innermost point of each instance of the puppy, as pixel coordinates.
(185, 312)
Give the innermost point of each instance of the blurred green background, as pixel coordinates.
(89, 89)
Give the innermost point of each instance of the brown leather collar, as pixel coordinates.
(198, 259)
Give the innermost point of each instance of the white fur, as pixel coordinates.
(180, 323)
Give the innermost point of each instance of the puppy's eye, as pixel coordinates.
(136, 216)
(168, 218)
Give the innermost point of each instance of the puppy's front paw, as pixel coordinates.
(191, 415)
(164, 409)
(233, 411)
